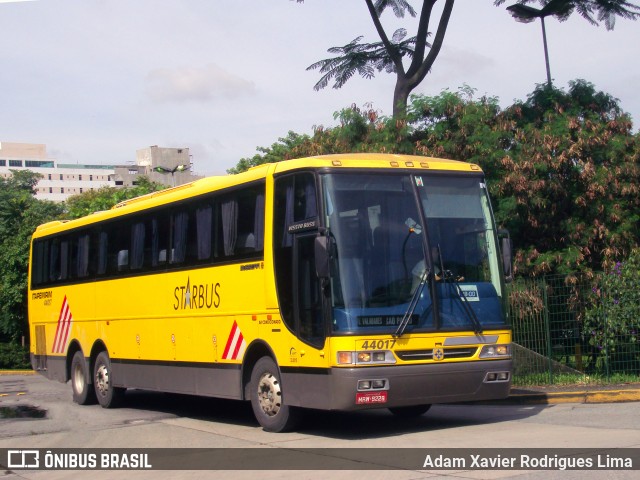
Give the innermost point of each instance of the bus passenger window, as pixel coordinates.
(82, 256)
(54, 263)
(229, 210)
(159, 240)
(179, 239)
(203, 228)
(64, 260)
(123, 260)
(102, 253)
(137, 246)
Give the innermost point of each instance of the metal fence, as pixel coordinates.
(562, 334)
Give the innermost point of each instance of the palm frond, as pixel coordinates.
(398, 6)
(361, 58)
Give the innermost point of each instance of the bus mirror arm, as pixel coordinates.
(506, 248)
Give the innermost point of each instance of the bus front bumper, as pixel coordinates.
(404, 385)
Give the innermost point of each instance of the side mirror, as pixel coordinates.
(323, 256)
(506, 248)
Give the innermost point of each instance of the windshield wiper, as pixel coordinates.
(415, 298)
(451, 279)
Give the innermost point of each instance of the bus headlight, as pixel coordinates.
(495, 351)
(366, 358)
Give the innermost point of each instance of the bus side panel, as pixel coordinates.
(183, 332)
(212, 380)
(59, 317)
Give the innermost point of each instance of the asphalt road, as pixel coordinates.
(39, 414)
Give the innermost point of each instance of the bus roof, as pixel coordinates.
(208, 184)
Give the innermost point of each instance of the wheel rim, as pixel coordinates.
(78, 379)
(102, 380)
(269, 394)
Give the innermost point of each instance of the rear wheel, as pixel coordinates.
(108, 396)
(83, 392)
(266, 398)
(410, 412)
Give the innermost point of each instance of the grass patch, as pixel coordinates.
(541, 379)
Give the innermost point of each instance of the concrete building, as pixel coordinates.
(170, 166)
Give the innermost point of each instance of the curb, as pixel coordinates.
(585, 396)
(17, 372)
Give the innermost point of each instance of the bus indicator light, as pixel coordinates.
(345, 358)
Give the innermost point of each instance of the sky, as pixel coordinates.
(96, 80)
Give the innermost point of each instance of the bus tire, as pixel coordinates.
(410, 412)
(266, 398)
(83, 392)
(108, 396)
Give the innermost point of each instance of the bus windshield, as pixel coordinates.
(422, 248)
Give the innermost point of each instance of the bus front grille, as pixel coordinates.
(421, 355)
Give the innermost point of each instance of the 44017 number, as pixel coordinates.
(378, 344)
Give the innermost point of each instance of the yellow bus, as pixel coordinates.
(340, 282)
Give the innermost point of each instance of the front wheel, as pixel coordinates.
(108, 396)
(266, 398)
(83, 392)
(410, 412)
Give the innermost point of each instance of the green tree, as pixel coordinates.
(106, 197)
(612, 321)
(389, 53)
(20, 214)
(563, 167)
(281, 150)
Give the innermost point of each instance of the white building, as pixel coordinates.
(170, 166)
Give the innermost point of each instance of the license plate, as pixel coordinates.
(368, 398)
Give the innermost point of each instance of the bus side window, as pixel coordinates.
(137, 246)
(64, 260)
(160, 240)
(82, 255)
(54, 261)
(119, 238)
(203, 232)
(179, 237)
(251, 221)
(123, 260)
(229, 211)
(101, 267)
(40, 262)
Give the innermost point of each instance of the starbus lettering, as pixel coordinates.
(196, 296)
